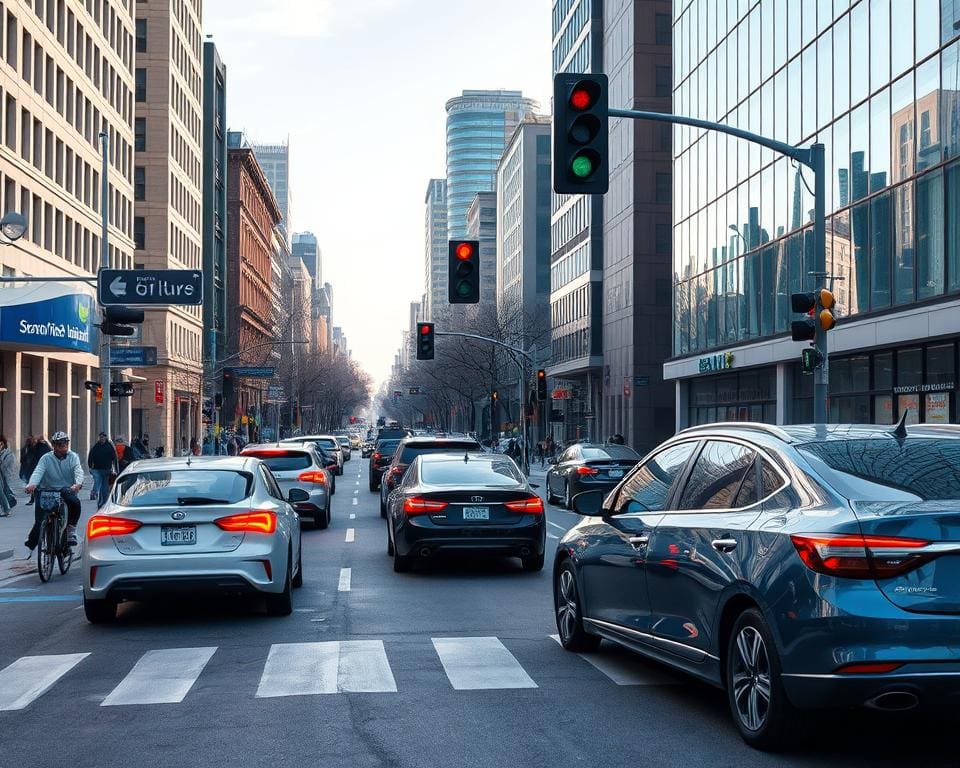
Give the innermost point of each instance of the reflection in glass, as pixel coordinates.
(840, 176)
(901, 43)
(808, 93)
(879, 43)
(952, 225)
(793, 28)
(949, 19)
(927, 107)
(930, 262)
(909, 367)
(880, 251)
(794, 105)
(859, 53)
(903, 243)
(902, 129)
(859, 152)
(840, 262)
(841, 65)
(880, 140)
(949, 102)
(825, 82)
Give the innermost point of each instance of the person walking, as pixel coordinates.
(102, 460)
(125, 455)
(26, 457)
(7, 500)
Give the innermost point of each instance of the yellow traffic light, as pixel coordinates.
(826, 299)
(827, 320)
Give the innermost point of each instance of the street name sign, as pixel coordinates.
(149, 287)
(253, 372)
(137, 356)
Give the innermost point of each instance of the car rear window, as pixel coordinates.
(610, 452)
(387, 447)
(410, 452)
(925, 467)
(283, 462)
(501, 473)
(183, 486)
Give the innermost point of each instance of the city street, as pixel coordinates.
(452, 665)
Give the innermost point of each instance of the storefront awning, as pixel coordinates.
(39, 316)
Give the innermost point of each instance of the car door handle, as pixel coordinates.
(639, 541)
(724, 545)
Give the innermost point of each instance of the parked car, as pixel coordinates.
(193, 525)
(797, 567)
(453, 503)
(587, 466)
(355, 442)
(298, 465)
(328, 442)
(411, 447)
(392, 433)
(380, 460)
(344, 443)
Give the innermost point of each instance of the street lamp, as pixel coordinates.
(13, 225)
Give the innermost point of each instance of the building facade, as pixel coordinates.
(576, 263)
(435, 261)
(54, 105)
(306, 249)
(479, 123)
(877, 83)
(167, 223)
(274, 159)
(637, 302)
(482, 226)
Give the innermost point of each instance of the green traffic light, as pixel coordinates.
(463, 288)
(582, 166)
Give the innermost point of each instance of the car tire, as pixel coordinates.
(297, 581)
(532, 563)
(374, 488)
(568, 611)
(401, 563)
(100, 611)
(383, 509)
(389, 543)
(551, 499)
(333, 486)
(322, 519)
(752, 656)
(282, 604)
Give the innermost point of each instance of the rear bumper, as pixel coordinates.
(525, 540)
(929, 690)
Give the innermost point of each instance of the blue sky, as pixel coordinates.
(359, 88)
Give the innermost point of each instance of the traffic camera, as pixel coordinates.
(581, 155)
(463, 278)
(117, 321)
(424, 341)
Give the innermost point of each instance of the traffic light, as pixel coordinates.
(818, 307)
(494, 396)
(218, 400)
(227, 385)
(424, 341)
(117, 321)
(581, 156)
(541, 385)
(121, 389)
(98, 392)
(463, 283)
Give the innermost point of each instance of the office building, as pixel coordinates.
(435, 245)
(482, 226)
(877, 83)
(274, 159)
(52, 108)
(305, 248)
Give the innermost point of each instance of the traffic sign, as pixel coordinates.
(253, 372)
(275, 394)
(152, 287)
(138, 356)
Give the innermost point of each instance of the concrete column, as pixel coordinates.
(784, 394)
(683, 403)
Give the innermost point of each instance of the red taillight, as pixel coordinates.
(255, 521)
(869, 667)
(587, 471)
(102, 525)
(533, 505)
(376, 457)
(854, 556)
(416, 505)
(258, 452)
(93, 575)
(313, 476)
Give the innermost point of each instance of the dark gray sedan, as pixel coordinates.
(588, 467)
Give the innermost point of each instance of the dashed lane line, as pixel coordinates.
(351, 535)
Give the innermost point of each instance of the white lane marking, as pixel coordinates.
(344, 585)
(356, 502)
(358, 482)
(555, 525)
(161, 677)
(625, 668)
(356, 492)
(29, 677)
(353, 516)
(480, 663)
(350, 535)
(551, 536)
(349, 666)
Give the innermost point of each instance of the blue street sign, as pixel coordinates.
(253, 373)
(149, 287)
(137, 356)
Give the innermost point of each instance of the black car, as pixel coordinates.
(588, 467)
(411, 447)
(472, 502)
(392, 433)
(380, 460)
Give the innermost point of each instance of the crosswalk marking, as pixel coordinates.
(355, 502)
(480, 663)
(353, 516)
(161, 677)
(351, 534)
(344, 585)
(625, 668)
(349, 666)
(30, 676)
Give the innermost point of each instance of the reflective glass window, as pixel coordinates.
(860, 152)
(903, 245)
(859, 52)
(880, 251)
(951, 207)
(649, 487)
(825, 79)
(949, 19)
(716, 476)
(929, 235)
(793, 28)
(883, 370)
(940, 366)
(879, 43)
(950, 101)
(841, 66)
(909, 367)
(880, 140)
(794, 106)
(808, 91)
(901, 42)
(927, 94)
(860, 244)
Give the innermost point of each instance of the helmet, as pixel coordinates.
(60, 437)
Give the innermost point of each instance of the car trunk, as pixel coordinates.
(476, 507)
(161, 533)
(610, 469)
(928, 577)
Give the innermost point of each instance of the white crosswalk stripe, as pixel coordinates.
(480, 663)
(625, 668)
(161, 677)
(349, 666)
(29, 677)
(344, 585)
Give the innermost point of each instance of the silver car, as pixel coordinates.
(329, 442)
(298, 465)
(217, 524)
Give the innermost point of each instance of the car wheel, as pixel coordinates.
(333, 486)
(533, 563)
(323, 517)
(100, 611)
(389, 543)
(401, 563)
(373, 488)
(568, 611)
(282, 604)
(298, 579)
(383, 509)
(758, 702)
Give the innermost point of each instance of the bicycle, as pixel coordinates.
(52, 543)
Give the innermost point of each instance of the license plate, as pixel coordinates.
(616, 473)
(476, 513)
(177, 535)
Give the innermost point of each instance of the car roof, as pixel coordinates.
(286, 445)
(428, 440)
(237, 463)
(808, 433)
(486, 458)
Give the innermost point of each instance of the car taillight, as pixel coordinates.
(869, 667)
(533, 505)
(587, 471)
(855, 556)
(418, 506)
(313, 476)
(102, 525)
(254, 521)
(376, 457)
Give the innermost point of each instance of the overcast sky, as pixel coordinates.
(359, 88)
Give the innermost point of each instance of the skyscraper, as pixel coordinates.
(305, 247)
(435, 248)
(274, 159)
(479, 123)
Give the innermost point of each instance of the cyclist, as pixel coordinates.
(58, 469)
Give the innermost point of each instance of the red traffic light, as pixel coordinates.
(581, 98)
(541, 374)
(424, 329)
(464, 251)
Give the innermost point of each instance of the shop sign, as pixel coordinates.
(719, 362)
(158, 392)
(65, 322)
(943, 387)
(938, 408)
(560, 394)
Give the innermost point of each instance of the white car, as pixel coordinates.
(195, 524)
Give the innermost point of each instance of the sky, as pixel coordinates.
(358, 88)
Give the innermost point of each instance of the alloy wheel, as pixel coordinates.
(567, 609)
(751, 679)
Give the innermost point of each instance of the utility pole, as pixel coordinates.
(104, 264)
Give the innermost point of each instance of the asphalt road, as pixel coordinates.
(452, 665)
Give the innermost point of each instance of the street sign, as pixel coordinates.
(275, 394)
(253, 372)
(121, 389)
(138, 356)
(151, 287)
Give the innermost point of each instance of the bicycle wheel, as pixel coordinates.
(45, 550)
(64, 551)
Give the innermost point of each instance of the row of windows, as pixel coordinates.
(184, 248)
(564, 41)
(570, 346)
(184, 202)
(184, 342)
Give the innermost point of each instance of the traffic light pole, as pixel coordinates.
(813, 158)
(104, 264)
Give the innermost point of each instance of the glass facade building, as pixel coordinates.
(877, 82)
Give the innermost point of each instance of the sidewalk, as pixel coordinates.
(14, 530)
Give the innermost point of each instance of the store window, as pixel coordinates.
(746, 396)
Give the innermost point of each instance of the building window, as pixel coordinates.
(138, 232)
(139, 183)
(141, 84)
(663, 31)
(664, 85)
(663, 189)
(141, 35)
(140, 134)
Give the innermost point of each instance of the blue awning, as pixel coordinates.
(42, 315)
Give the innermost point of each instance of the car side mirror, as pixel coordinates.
(588, 503)
(551, 460)
(297, 494)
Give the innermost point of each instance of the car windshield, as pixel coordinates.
(501, 472)
(410, 452)
(285, 462)
(610, 452)
(927, 468)
(329, 442)
(183, 486)
(344, 440)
